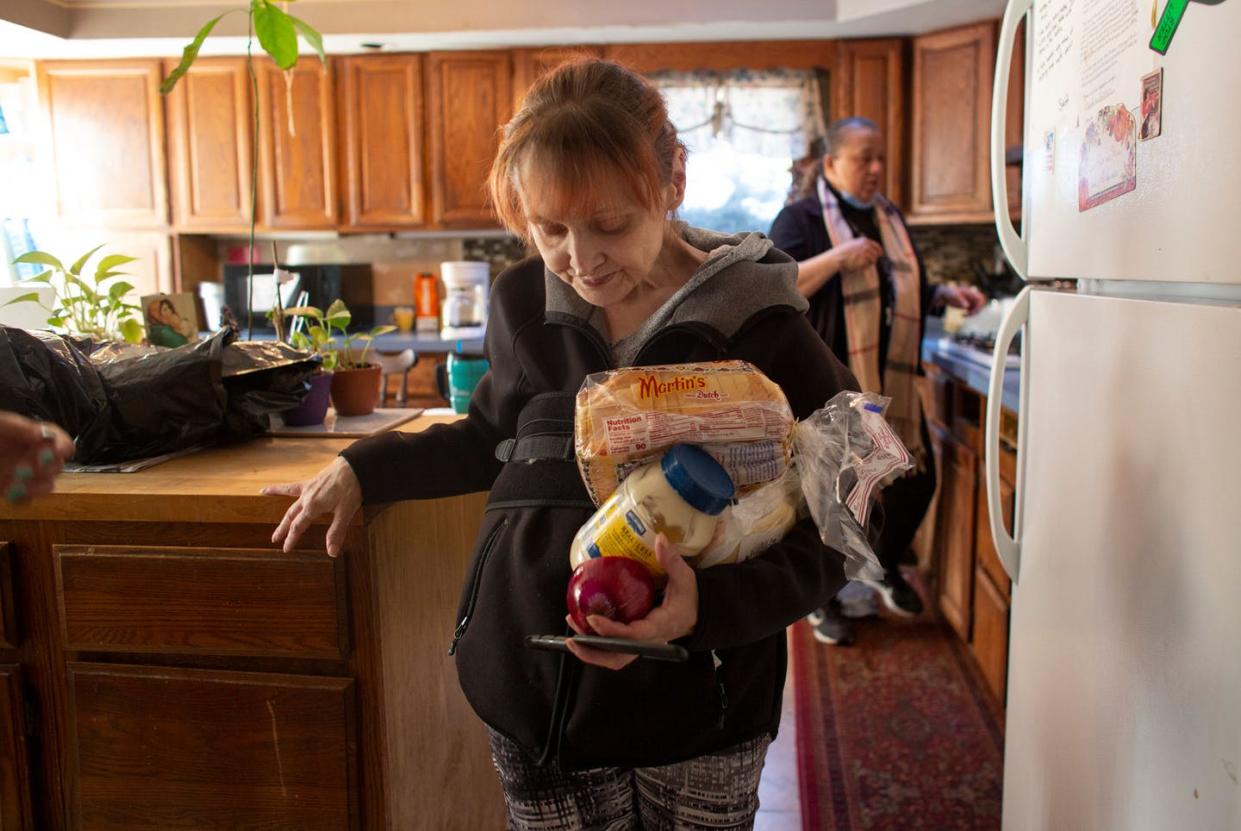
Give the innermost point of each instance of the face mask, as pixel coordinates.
(860, 204)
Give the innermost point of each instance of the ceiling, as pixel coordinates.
(114, 28)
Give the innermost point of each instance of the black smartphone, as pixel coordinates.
(643, 649)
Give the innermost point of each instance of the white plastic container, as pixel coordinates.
(680, 496)
(464, 310)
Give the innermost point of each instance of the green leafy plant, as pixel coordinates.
(94, 305)
(320, 335)
(277, 32)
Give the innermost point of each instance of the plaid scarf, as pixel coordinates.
(863, 311)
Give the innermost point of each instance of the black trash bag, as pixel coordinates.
(123, 402)
(51, 378)
(261, 378)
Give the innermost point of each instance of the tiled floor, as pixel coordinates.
(779, 803)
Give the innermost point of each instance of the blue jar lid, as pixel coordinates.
(698, 478)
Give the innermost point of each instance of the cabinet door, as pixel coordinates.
(105, 141)
(988, 559)
(297, 169)
(531, 64)
(956, 574)
(382, 159)
(868, 82)
(952, 73)
(163, 748)
(210, 152)
(470, 98)
(990, 641)
(14, 769)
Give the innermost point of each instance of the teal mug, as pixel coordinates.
(458, 377)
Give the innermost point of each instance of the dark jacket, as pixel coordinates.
(556, 708)
(798, 231)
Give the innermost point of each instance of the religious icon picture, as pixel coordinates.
(171, 319)
(1150, 123)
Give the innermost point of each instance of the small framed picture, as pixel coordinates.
(1150, 116)
(171, 319)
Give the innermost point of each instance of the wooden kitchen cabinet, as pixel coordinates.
(868, 81)
(531, 64)
(104, 142)
(989, 643)
(951, 115)
(956, 535)
(177, 670)
(297, 147)
(470, 97)
(210, 149)
(15, 802)
(381, 114)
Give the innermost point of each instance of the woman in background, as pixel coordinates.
(868, 297)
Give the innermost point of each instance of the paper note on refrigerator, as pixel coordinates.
(1107, 167)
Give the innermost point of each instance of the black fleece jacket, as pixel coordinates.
(557, 709)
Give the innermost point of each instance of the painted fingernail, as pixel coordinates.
(46, 456)
(23, 472)
(16, 493)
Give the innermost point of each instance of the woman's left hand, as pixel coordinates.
(673, 618)
(963, 297)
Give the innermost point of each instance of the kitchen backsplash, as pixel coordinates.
(950, 251)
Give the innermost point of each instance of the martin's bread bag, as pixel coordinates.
(628, 417)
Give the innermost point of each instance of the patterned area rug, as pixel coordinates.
(895, 732)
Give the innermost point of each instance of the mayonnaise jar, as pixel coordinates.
(680, 496)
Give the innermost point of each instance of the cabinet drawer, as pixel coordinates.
(215, 601)
(162, 748)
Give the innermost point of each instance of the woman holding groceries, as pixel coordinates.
(591, 172)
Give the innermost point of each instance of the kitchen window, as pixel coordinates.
(743, 131)
(18, 172)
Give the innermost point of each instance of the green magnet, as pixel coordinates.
(1168, 21)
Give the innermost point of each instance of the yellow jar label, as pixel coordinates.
(625, 535)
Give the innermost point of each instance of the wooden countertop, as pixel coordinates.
(220, 484)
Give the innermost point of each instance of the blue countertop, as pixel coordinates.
(400, 341)
(969, 365)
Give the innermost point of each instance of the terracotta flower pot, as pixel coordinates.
(355, 392)
(313, 407)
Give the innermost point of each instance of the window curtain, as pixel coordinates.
(774, 113)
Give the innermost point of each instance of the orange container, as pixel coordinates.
(427, 302)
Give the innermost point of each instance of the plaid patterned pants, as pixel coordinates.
(718, 791)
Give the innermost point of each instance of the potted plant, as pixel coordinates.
(354, 381)
(92, 305)
(317, 340)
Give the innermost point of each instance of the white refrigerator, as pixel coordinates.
(1124, 684)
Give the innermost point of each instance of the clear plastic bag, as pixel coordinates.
(845, 453)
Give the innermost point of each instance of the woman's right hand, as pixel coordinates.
(334, 490)
(861, 252)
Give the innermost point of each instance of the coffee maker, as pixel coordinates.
(464, 312)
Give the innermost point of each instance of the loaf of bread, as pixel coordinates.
(628, 417)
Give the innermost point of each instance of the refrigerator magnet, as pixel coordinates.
(1049, 151)
(1108, 165)
(1151, 112)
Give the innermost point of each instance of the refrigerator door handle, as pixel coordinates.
(1014, 246)
(1008, 548)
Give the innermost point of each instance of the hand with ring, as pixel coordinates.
(31, 454)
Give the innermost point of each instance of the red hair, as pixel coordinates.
(586, 124)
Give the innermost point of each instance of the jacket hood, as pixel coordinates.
(742, 275)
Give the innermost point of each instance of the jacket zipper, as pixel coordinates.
(474, 584)
(719, 687)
